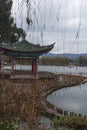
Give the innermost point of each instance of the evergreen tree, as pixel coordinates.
(8, 31)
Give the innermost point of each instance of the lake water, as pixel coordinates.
(71, 99)
(56, 69)
(76, 70)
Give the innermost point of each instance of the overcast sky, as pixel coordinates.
(60, 21)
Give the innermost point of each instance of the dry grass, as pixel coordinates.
(19, 102)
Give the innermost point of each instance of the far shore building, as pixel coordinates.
(25, 49)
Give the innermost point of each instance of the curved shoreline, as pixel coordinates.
(68, 81)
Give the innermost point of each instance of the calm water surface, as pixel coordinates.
(56, 69)
(71, 99)
(63, 69)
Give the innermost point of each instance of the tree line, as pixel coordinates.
(63, 61)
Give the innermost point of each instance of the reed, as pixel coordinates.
(19, 102)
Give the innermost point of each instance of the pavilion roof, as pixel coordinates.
(25, 46)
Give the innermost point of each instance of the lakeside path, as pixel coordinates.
(25, 99)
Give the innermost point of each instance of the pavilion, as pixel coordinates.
(25, 49)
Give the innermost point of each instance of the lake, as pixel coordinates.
(71, 99)
(55, 69)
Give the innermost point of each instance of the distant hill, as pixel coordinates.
(68, 55)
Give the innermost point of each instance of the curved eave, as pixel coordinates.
(44, 49)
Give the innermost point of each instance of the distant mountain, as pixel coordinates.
(68, 55)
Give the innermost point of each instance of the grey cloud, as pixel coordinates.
(58, 20)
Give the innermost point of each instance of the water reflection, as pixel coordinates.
(71, 99)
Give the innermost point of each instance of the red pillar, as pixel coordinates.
(35, 67)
